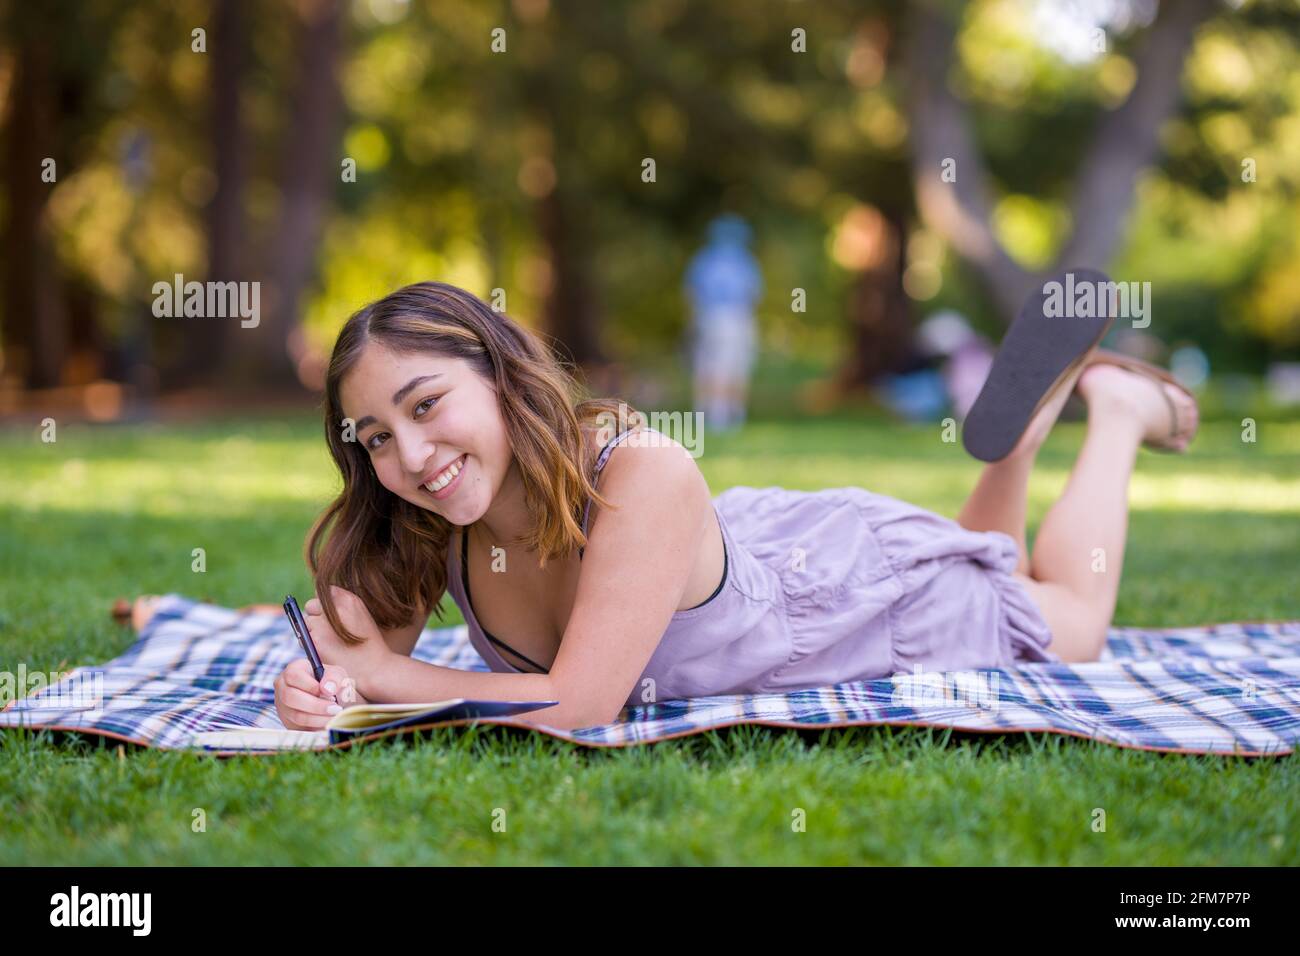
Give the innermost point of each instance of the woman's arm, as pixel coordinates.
(401, 640)
(634, 572)
(403, 680)
(383, 672)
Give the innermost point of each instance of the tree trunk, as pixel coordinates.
(207, 339)
(311, 168)
(34, 321)
(879, 313)
(1128, 139)
(569, 313)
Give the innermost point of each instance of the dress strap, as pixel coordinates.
(600, 464)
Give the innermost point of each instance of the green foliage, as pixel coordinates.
(457, 146)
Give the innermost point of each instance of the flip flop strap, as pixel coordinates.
(1173, 410)
(1141, 369)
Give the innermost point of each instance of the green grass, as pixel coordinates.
(116, 511)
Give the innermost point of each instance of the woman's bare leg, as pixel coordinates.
(1001, 495)
(999, 500)
(1079, 551)
(141, 610)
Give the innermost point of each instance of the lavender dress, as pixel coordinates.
(822, 587)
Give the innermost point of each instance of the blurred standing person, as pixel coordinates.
(723, 284)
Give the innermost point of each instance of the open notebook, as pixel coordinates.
(360, 720)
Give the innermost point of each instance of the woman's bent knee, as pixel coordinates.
(1078, 630)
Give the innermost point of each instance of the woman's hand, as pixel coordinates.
(303, 703)
(363, 662)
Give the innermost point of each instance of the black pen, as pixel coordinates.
(299, 624)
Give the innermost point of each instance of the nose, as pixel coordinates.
(415, 451)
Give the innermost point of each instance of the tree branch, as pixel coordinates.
(1125, 142)
(960, 211)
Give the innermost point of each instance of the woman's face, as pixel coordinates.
(418, 413)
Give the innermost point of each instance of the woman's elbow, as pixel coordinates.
(560, 717)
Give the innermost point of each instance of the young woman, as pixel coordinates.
(468, 467)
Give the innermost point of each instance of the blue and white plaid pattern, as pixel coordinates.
(1221, 689)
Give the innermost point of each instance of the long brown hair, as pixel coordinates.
(393, 554)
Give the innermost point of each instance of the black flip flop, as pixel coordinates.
(1038, 352)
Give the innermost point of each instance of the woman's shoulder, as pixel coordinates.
(647, 450)
(640, 463)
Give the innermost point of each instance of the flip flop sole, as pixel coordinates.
(1038, 351)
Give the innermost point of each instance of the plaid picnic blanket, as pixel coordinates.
(1219, 689)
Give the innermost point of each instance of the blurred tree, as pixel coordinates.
(207, 342)
(308, 162)
(311, 166)
(558, 182)
(49, 113)
(34, 320)
(1118, 147)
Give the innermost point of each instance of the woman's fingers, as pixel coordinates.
(308, 704)
(298, 709)
(335, 682)
(297, 720)
(298, 673)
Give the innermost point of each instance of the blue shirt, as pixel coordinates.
(723, 274)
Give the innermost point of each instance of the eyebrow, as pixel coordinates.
(400, 394)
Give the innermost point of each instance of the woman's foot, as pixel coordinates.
(1137, 397)
(1039, 354)
(142, 609)
(136, 612)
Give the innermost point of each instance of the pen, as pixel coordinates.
(299, 624)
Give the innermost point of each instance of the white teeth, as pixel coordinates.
(445, 478)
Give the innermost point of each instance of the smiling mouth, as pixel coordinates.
(445, 489)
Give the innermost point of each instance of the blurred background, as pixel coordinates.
(893, 178)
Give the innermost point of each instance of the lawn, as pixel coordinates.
(114, 511)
